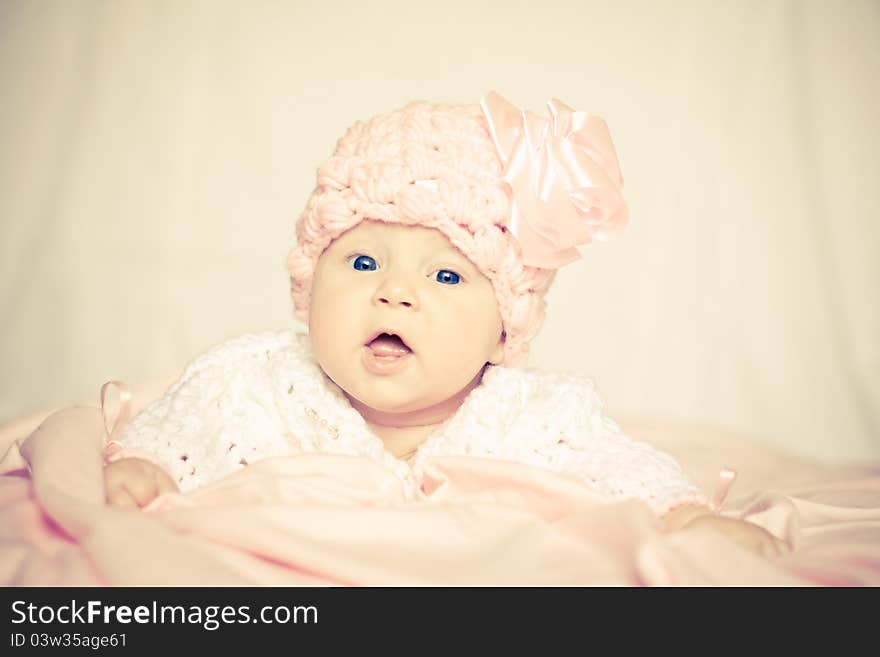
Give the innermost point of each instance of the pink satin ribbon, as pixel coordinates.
(726, 478)
(564, 176)
(115, 427)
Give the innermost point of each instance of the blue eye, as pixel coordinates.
(448, 277)
(364, 263)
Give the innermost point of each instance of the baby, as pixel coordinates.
(421, 265)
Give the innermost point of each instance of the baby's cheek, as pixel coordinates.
(456, 356)
(475, 336)
(327, 327)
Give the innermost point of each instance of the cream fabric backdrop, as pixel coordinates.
(155, 156)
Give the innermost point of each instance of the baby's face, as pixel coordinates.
(410, 281)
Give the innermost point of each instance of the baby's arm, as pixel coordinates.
(132, 482)
(219, 417)
(677, 500)
(624, 468)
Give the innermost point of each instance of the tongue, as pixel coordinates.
(387, 345)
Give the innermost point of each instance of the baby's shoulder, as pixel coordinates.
(244, 352)
(561, 395)
(242, 371)
(537, 386)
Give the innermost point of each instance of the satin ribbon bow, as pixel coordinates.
(564, 176)
(114, 424)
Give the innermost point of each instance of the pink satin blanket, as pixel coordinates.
(333, 520)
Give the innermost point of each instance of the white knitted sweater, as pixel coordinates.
(262, 395)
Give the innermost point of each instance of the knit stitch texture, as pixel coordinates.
(435, 166)
(262, 395)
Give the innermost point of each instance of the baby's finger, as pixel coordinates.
(143, 489)
(164, 483)
(768, 549)
(773, 547)
(118, 496)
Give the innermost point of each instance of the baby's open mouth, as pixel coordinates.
(388, 345)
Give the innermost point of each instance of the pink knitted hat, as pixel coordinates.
(512, 191)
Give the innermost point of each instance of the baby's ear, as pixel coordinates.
(498, 353)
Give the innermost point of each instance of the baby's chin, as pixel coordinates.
(396, 402)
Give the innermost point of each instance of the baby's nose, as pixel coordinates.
(396, 294)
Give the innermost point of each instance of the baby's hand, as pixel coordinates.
(134, 483)
(747, 534)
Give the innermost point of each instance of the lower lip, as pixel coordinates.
(384, 364)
